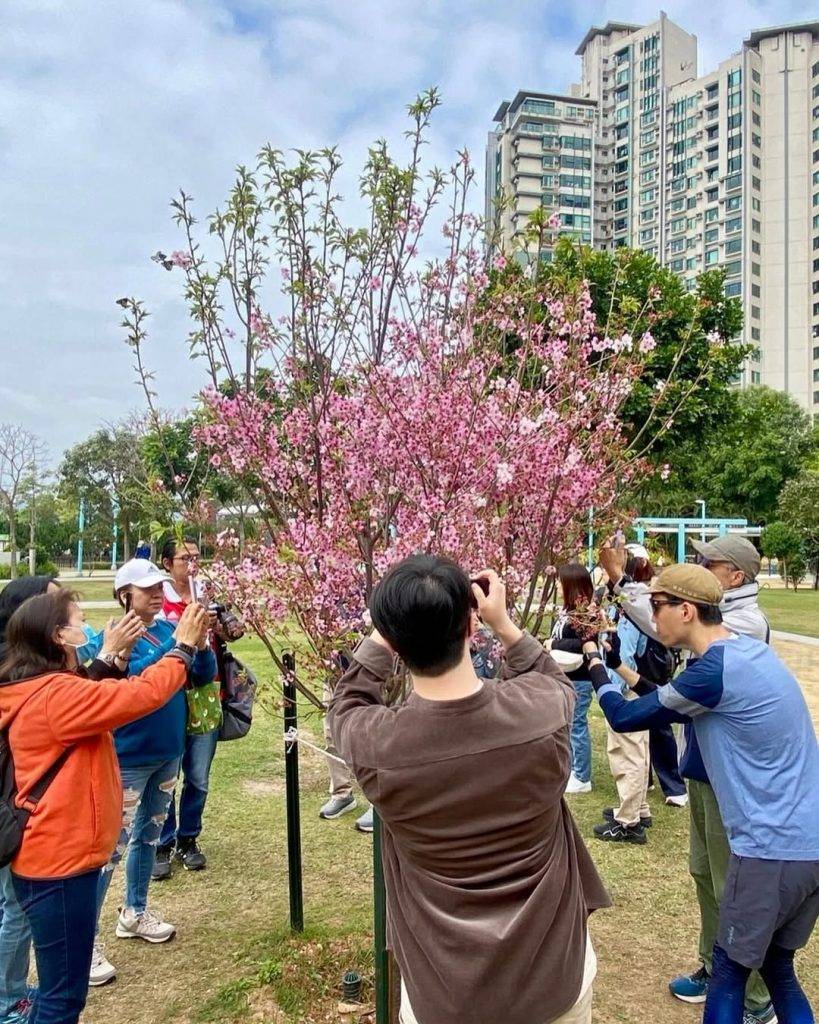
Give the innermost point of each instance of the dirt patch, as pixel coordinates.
(263, 787)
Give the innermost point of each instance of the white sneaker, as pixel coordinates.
(102, 970)
(148, 926)
(576, 786)
(677, 801)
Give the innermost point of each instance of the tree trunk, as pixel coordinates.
(126, 541)
(32, 550)
(12, 543)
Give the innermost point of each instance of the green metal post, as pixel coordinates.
(681, 541)
(291, 777)
(80, 528)
(383, 986)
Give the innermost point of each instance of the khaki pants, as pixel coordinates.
(580, 1013)
(341, 782)
(629, 760)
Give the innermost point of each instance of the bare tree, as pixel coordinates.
(20, 453)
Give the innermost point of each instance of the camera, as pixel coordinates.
(231, 626)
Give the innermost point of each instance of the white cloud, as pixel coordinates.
(107, 108)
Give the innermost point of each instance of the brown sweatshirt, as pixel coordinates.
(489, 883)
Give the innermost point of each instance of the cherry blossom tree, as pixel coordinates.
(379, 390)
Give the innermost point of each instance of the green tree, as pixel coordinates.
(782, 541)
(799, 509)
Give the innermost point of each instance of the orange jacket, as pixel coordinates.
(77, 822)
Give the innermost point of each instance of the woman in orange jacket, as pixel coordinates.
(51, 710)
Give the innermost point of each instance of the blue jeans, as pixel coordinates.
(581, 735)
(15, 946)
(146, 795)
(196, 762)
(726, 988)
(61, 913)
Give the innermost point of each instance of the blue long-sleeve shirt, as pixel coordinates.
(160, 736)
(756, 738)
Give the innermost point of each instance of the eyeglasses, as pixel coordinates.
(187, 559)
(655, 604)
(710, 563)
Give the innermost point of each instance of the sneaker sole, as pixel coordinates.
(98, 982)
(338, 814)
(366, 831)
(628, 842)
(687, 999)
(199, 867)
(122, 934)
(161, 877)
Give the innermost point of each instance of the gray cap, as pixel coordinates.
(739, 551)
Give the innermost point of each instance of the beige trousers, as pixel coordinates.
(580, 1013)
(341, 782)
(629, 760)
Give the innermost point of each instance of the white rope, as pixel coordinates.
(292, 737)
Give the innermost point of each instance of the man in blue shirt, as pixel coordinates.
(759, 748)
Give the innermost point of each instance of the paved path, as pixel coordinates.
(797, 638)
(803, 660)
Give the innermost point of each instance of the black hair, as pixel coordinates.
(421, 607)
(709, 614)
(170, 547)
(13, 595)
(31, 647)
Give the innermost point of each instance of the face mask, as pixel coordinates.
(79, 631)
(91, 647)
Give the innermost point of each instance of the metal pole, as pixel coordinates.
(383, 965)
(80, 527)
(291, 775)
(115, 511)
(590, 559)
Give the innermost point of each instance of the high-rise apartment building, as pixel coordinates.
(720, 170)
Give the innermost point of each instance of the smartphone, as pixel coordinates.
(483, 583)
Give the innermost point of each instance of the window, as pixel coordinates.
(692, 263)
(676, 245)
(756, 161)
(677, 265)
(575, 202)
(711, 215)
(757, 120)
(678, 224)
(756, 205)
(620, 205)
(711, 235)
(646, 216)
(711, 195)
(756, 139)
(647, 235)
(756, 377)
(756, 249)
(575, 142)
(756, 226)
(712, 153)
(734, 78)
(756, 76)
(538, 106)
(756, 183)
(712, 91)
(732, 269)
(734, 164)
(575, 181)
(734, 224)
(734, 100)
(756, 291)
(734, 121)
(754, 312)
(733, 289)
(732, 182)
(648, 156)
(734, 143)
(711, 257)
(733, 246)
(733, 203)
(712, 133)
(815, 69)
(647, 176)
(816, 351)
(756, 97)
(580, 163)
(756, 334)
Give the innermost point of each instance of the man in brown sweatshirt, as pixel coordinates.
(489, 885)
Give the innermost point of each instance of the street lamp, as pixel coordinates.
(701, 503)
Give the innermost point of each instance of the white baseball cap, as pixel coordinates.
(139, 572)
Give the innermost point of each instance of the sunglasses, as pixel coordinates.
(655, 604)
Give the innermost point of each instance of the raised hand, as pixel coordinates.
(193, 625)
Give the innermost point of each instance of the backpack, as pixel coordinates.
(13, 819)
(238, 695)
(656, 663)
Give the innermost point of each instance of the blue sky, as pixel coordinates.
(106, 109)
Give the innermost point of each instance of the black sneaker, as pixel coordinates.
(614, 832)
(188, 852)
(608, 814)
(162, 863)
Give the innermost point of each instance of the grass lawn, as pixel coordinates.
(793, 612)
(234, 960)
(91, 589)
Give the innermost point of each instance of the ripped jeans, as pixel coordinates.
(146, 795)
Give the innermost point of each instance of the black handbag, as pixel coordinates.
(238, 695)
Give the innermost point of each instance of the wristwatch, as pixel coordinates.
(109, 658)
(185, 649)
